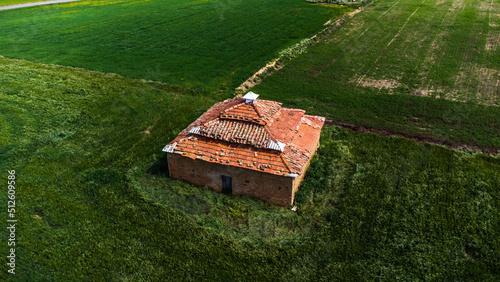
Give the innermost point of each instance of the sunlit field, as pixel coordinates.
(429, 69)
(95, 200)
(93, 197)
(211, 45)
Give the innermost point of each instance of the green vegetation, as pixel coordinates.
(350, 3)
(95, 203)
(93, 197)
(213, 45)
(15, 2)
(401, 66)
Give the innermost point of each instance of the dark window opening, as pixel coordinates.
(227, 185)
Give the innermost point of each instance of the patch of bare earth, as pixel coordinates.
(435, 51)
(378, 83)
(362, 78)
(488, 91)
(451, 15)
(474, 83)
(494, 15)
(471, 82)
(493, 36)
(492, 40)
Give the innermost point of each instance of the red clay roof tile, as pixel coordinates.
(239, 134)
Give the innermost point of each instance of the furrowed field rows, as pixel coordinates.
(423, 53)
(211, 45)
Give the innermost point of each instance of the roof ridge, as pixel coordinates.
(230, 108)
(285, 162)
(257, 110)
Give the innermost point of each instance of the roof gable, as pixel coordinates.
(243, 112)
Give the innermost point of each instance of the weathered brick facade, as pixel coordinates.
(268, 187)
(247, 147)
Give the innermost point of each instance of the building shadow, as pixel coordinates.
(160, 167)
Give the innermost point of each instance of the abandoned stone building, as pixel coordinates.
(247, 146)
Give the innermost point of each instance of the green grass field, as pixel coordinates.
(213, 45)
(94, 201)
(15, 2)
(402, 66)
(93, 196)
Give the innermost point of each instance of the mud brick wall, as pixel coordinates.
(267, 187)
(298, 179)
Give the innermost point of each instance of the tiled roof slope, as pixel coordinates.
(260, 135)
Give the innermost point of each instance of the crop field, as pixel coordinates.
(424, 68)
(15, 2)
(95, 202)
(93, 197)
(212, 45)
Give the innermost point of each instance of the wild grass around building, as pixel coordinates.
(95, 202)
(423, 68)
(214, 44)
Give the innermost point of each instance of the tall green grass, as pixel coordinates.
(210, 45)
(95, 202)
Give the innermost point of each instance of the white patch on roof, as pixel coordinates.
(276, 146)
(292, 175)
(195, 130)
(250, 96)
(170, 148)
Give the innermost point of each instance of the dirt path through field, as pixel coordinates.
(455, 145)
(35, 4)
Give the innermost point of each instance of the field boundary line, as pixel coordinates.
(277, 63)
(11, 7)
(389, 44)
(494, 151)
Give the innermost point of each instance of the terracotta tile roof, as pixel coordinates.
(299, 151)
(267, 109)
(244, 112)
(237, 132)
(240, 155)
(286, 125)
(260, 135)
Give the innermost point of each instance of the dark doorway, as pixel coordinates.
(227, 185)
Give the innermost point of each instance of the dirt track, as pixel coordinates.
(35, 4)
(425, 139)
